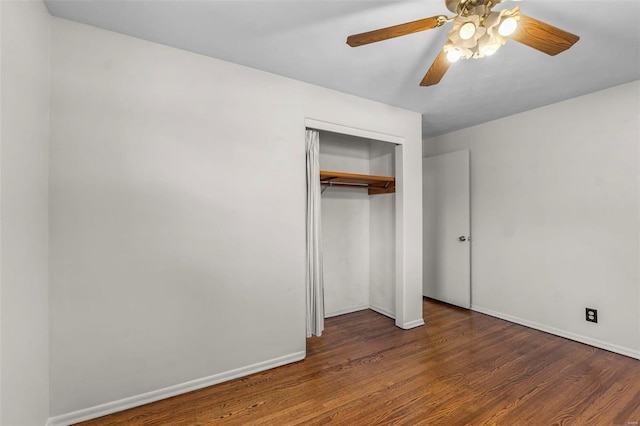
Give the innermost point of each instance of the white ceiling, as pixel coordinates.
(305, 40)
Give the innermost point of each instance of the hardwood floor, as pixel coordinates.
(461, 368)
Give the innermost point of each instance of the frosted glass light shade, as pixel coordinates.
(507, 27)
(453, 55)
(467, 31)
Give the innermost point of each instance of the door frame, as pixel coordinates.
(400, 203)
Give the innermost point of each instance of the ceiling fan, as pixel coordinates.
(477, 32)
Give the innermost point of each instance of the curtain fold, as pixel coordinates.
(314, 277)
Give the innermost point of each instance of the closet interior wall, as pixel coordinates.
(358, 230)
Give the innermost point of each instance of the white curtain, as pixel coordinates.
(314, 278)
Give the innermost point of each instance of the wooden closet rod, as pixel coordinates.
(374, 184)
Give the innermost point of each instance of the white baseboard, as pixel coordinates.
(412, 324)
(382, 311)
(145, 398)
(346, 311)
(405, 326)
(562, 333)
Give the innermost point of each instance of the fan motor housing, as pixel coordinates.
(453, 5)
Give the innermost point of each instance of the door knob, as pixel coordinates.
(462, 238)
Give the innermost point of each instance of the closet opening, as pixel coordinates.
(361, 264)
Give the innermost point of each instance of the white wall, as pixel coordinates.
(358, 229)
(382, 231)
(345, 226)
(554, 216)
(24, 132)
(177, 216)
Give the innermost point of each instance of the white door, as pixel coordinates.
(447, 247)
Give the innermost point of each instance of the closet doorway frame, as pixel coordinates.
(400, 211)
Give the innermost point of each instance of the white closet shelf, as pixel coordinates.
(374, 184)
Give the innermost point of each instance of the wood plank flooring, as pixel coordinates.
(461, 368)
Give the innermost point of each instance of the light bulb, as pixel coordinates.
(467, 31)
(507, 27)
(453, 55)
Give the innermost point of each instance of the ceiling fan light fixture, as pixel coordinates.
(477, 32)
(488, 45)
(508, 26)
(467, 30)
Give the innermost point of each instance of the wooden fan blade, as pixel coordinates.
(543, 37)
(437, 70)
(395, 31)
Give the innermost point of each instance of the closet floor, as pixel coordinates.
(461, 368)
